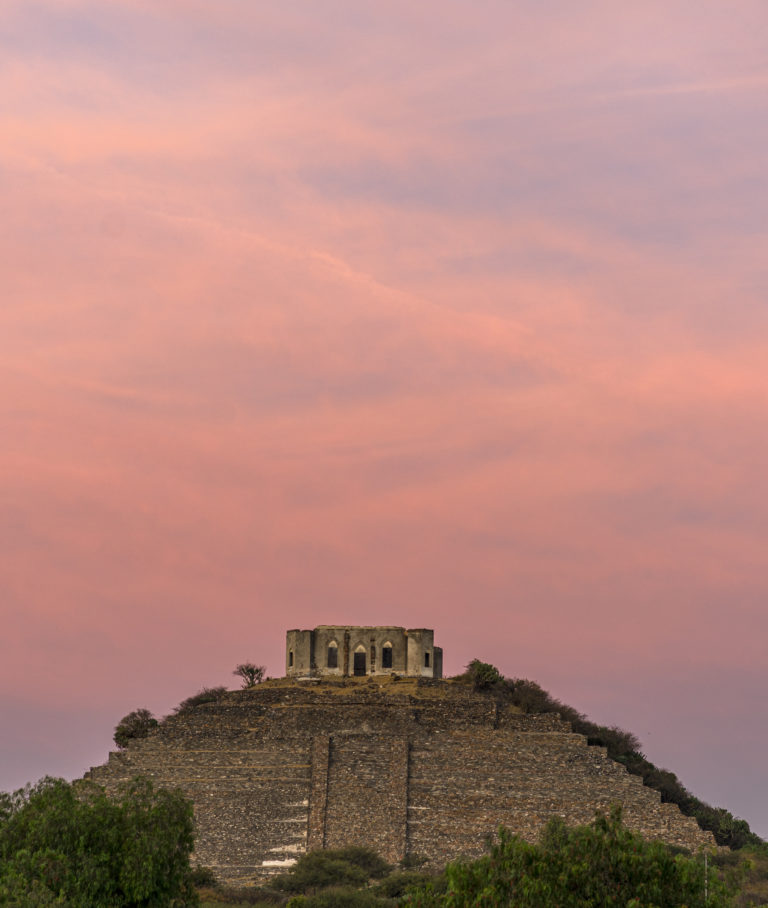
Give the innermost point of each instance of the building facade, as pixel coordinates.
(344, 651)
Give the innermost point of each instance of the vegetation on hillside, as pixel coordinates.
(622, 746)
(353, 877)
(205, 695)
(72, 845)
(137, 724)
(603, 864)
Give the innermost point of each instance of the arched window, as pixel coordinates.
(358, 665)
(386, 655)
(333, 654)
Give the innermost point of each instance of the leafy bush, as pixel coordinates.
(222, 896)
(374, 865)
(241, 896)
(531, 698)
(483, 675)
(202, 876)
(137, 724)
(338, 867)
(338, 898)
(206, 695)
(318, 870)
(71, 844)
(396, 884)
(600, 864)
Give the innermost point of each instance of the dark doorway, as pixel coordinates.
(359, 663)
(386, 657)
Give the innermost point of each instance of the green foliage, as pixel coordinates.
(603, 864)
(137, 724)
(754, 887)
(483, 675)
(316, 870)
(352, 877)
(531, 698)
(206, 695)
(250, 674)
(239, 897)
(398, 883)
(624, 747)
(337, 897)
(373, 865)
(340, 867)
(72, 845)
(202, 876)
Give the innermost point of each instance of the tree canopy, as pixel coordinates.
(71, 844)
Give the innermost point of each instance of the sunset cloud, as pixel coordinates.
(419, 314)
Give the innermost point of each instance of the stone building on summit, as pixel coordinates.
(342, 651)
(363, 744)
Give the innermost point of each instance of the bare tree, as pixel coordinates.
(250, 674)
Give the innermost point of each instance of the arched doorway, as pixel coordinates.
(358, 661)
(332, 660)
(386, 655)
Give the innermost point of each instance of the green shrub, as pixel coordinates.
(603, 864)
(338, 867)
(241, 896)
(338, 898)
(202, 876)
(364, 858)
(318, 870)
(483, 675)
(137, 724)
(397, 883)
(206, 695)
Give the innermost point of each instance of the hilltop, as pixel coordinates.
(410, 766)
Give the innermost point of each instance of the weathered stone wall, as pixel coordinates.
(410, 652)
(421, 767)
(299, 653)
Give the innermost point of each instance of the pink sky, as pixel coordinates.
(440, 314)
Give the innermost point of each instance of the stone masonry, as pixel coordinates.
(405, 766)
(340, 651)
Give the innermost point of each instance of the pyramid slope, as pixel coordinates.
(421, 767)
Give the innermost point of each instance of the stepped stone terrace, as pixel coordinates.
(405, 765)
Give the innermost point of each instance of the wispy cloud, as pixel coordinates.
(744, 83)
(382, 310)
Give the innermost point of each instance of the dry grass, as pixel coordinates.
(390, 684)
